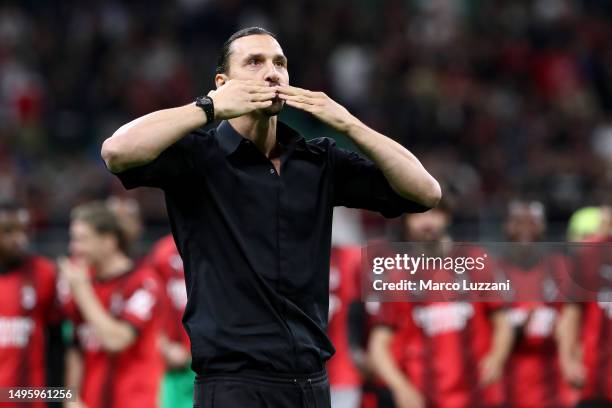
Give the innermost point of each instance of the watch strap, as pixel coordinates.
(206, 104)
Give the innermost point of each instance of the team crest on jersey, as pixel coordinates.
(28, 297)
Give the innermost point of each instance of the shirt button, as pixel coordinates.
(271, 171)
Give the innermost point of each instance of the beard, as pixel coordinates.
(275, 108)
(13, 260)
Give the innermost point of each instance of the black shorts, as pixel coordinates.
(261, 390)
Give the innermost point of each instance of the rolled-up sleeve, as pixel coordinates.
(359, 183)
(173, 165)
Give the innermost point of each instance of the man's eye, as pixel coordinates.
(280, 63)
(253, 61)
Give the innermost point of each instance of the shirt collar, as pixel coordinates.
(229, 139)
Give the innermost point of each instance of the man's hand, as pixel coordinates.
(75, 272)
(176, 355)
(491, 370)
(237, 97)
(406, 396)
(361, 361)
(572, 369)
(319, 104)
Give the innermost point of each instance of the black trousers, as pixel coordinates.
(594, 404)
(261, 390)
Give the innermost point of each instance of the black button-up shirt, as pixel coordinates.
(256, 244)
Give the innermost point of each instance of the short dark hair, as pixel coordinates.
(10, 205)
(224, 54)
(103, 221)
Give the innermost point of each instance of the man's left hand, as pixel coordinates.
(318, 104)
(491, 369)
(75, 272)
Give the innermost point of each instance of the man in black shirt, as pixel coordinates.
(250, 205)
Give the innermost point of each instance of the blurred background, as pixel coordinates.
(500, 99)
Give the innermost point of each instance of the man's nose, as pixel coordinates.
(272, 76)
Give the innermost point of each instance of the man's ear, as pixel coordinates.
(220, 80)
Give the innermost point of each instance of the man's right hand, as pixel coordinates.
(239, 97)
(572, 369)
(407, 396)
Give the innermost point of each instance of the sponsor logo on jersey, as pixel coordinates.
(15, 331)
(443, 318)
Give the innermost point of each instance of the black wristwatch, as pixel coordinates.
(206, 103)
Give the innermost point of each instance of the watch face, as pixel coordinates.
(201, 101)
(207, 106)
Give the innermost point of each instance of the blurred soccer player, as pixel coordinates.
(114, 306)
(127, 211)
(27, 305)
(177, 387)
(440, 354)
(532, 376)
(344, 377)
(585, 330)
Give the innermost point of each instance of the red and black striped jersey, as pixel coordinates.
(130, 377)
(167, 262)
(344, 278)
(532, 375)
(439, 346)
(27, 305)
(595, 262)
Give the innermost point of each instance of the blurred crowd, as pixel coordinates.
(500, 98)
